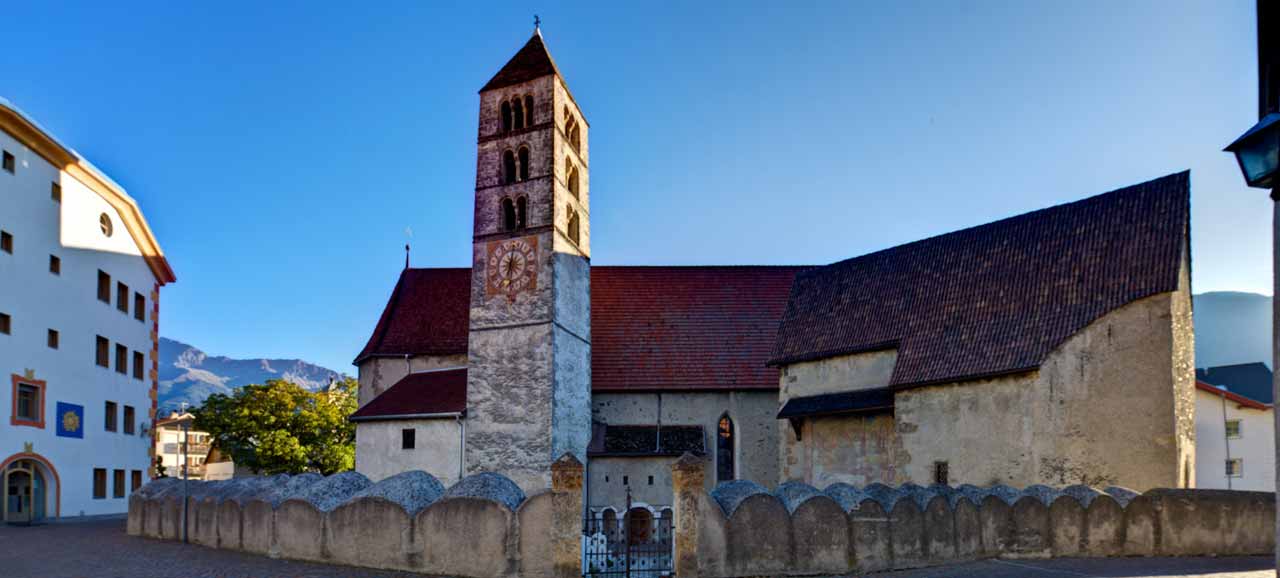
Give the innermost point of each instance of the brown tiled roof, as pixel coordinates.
(861, 401)
(532, 61)
(419, 394)
(996, 298)
(685, 328)
(428, 314)
(652, 328)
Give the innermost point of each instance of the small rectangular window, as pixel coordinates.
(136, 482)
(626, 480)
(103, 358)
(407, 438)
(28, 402)
(99, 483)
(55, 265)
(5, 323)
(138, 361)
(122, 297)
(1234, 428)
(104, 287)
(53, 339)
(139, 307)
(128, 419)
(6, 242)
(111, 416)
(117, 484)
(55, 192)
(650, 480)
(122, 359)
(941, 473)
(1235, 468)
(8, 162)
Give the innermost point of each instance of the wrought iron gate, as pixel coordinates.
(636, 544)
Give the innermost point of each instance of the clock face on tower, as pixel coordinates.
(511, 266)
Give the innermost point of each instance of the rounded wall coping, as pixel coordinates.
(488, 485)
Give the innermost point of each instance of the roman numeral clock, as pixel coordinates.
(511, 266)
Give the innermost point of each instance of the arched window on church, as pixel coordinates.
(573, 224)
(508, 167)
(571, 177)
(524, 163)
(508, 215)
(522, 214)
(528, 111)
(517, 111)
(506, 116)
(724, 450)
(571, 129)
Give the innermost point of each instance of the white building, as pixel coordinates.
(80, 278)
(1235, 441)
(169, 448)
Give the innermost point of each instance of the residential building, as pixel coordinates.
(1235, 428)
(171, 433)
(80, 279)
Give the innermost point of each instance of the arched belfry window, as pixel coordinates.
(517, 111)
(506, 116)
(508, 215)
(571, 129)
(522, 213)
(528, 111)
(524, 163)
(573, 224)
(724, 449)
(508, 167)
(571, 177)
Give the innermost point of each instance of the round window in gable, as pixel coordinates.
(104, 221)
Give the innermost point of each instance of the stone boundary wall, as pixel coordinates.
(482, 527)
(742, 529)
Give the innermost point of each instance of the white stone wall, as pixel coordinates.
(1255, 446)
(38, 301)
(437, 449)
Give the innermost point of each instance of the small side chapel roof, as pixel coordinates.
(532, 61)
(418, 395)
(997, 298)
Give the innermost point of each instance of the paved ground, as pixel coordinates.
(101, 549)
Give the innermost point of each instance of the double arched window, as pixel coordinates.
(514, 215)
(571, 129)
(574, 233)
(724, 449)
(517, 113)
(571, 177)
(515, 165)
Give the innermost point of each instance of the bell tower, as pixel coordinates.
(529, 358)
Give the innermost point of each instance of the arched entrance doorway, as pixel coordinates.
(25, 493)
(31, 489)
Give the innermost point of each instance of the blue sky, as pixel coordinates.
(281, 149)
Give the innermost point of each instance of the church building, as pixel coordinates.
(1053, 347)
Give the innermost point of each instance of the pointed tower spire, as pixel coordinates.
(532, 61)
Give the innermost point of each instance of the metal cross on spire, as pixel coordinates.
(537, 23)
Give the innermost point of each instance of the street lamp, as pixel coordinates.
(1258, 152)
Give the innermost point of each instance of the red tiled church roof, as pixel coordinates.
(996, 298)
(653, 328)
(419, 394)
(428, 314)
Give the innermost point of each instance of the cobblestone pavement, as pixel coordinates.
(102, 549)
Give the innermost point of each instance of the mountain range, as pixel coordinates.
(190, 375)
(1231, 327)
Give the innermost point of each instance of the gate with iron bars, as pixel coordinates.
(636, 545)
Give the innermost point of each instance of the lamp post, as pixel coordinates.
(1258, 152)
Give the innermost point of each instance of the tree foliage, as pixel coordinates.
(280, 427)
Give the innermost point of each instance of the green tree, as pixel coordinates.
(280, 427)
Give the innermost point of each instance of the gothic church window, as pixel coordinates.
(506, 116)
(524, 163)
(508, 167)
(724, 450)
(571, 177)
(522, 212)
(517, 111)
(573, 224)
(571, 129)
(508, 215)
